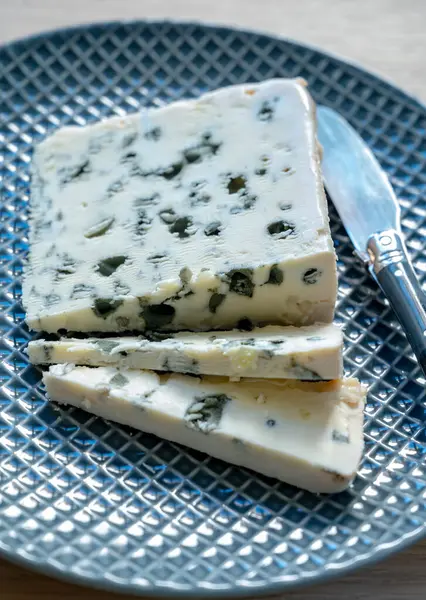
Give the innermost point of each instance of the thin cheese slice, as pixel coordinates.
(307, 434)
(312, 353)
(203, 214)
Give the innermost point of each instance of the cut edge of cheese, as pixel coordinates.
(139, 241)
(308, 435)
(312, 353)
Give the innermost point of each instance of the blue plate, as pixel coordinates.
(106, 506)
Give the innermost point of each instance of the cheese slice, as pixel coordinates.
(203, 214)
(307, 434)
(311, 353)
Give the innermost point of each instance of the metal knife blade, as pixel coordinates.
(370, 212)
(358, 186)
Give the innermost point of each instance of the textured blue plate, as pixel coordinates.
(96, 503)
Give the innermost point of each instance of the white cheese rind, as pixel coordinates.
(311, 353)
(307, 434)
(197, 215)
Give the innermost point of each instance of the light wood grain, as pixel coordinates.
(386, 36)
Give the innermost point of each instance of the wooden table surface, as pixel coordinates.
(386, 36)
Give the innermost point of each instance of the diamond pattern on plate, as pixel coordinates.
(123, 509)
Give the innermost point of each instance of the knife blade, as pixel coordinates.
(369, 209)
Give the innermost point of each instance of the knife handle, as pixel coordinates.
(391, 268)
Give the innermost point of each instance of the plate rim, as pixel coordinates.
(343, 59)
(262, 590)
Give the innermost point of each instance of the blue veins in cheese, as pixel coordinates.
(306, 434)
(310, 353)
(203, 214)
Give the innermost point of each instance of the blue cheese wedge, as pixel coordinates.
(203, 214)
(307, 434)
(311, 353)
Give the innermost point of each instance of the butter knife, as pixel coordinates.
(368, 207)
